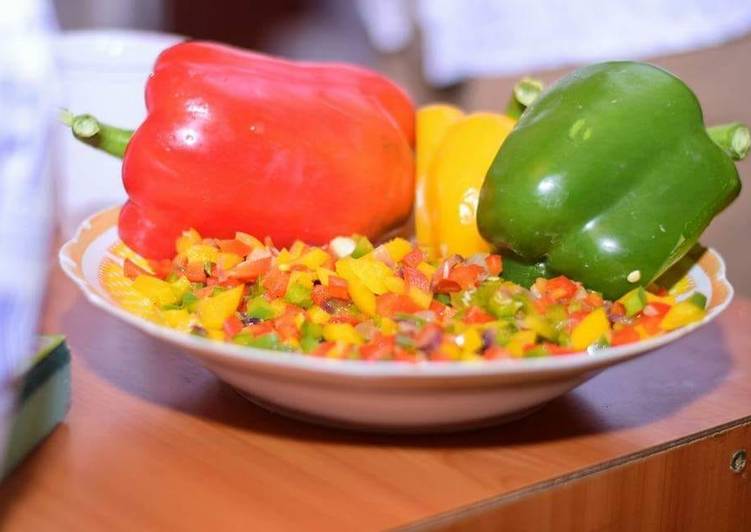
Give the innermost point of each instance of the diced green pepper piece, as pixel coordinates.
(265, 341)
(541, 326)
(310, 336)
(298, 294)
(189, 301)
(363, 246)
(259, 308)
(634, 301)
(698, 299)
(537, 351)
(443, 298)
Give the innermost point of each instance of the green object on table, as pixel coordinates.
(43, 401)
(608, 178)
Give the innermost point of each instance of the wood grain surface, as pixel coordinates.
(155, 442)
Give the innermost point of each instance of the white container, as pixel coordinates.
(102, 72)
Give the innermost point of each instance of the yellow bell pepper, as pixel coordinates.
(317, 315)
(519, 340)
(314, 258)
(592, 328)
(453, 181)
(432, 123)
(228, 261)
(213, 311)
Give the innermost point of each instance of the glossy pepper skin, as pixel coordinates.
(238, 141)
(608, 178)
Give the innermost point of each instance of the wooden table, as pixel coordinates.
(155, 442)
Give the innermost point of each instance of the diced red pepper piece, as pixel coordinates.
(403, 355)
(323, 348)
(235, 246)
(161, 268)
(656, 309)
(414, 257)
(390, 304)
(416, 278)
(541, 304)
(446, 286)
(560, 288)
(594, 299)
(494, 264)
(557, 350)
(379, 348)
(286, 327)
(345, 318)
(275, 283)
(232, 326)
(195, 273)
(475, 314)
(650, 324)
(495, 352)
(250, 270)
(258, 329)
(322, 293)
(625, 335)
(132, 270)
(337, 281)
(617, 310)
(466, 275)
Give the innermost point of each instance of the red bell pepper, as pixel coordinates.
(239, 141)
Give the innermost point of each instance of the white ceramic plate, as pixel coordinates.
(381, 396)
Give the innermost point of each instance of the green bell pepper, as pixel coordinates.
(608, 178)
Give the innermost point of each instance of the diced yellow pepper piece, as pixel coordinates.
(388, 326)
(323, 275)
(519, 340)
(213, 311)
(202, 253)
(179, 319)
(180, 287)
(421, 299)
(363, 298)
(341, 332)
(299, 320)
(228, 260)
(313, 259)
(186, 240)
(540, 325)
(279, 307)
(372, 273)
(470, 341)
(682, 314)
(395, 285)
(398, 248)
(158, 291)
(427, 269)
(450, 350)
(317, 315)
(284, 257)
(592, 328)
(296, 249)
(249, 240)
(668, 300)
(302, 278)
(215, 334)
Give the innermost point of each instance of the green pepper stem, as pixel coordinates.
(89, 130)
(523, 94)
(733, 138)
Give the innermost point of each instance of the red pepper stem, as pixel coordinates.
(524, 93)
(91, 131)
(733, 138)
